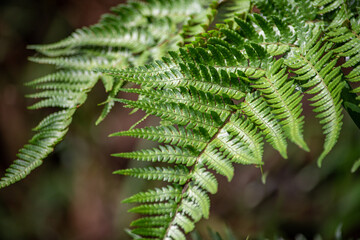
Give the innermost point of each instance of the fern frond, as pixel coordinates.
(281, 95)
(149, 232)
(217, 97)
(200, 197)
(198, 178)
(206, 79)
(184, 222)
(156, 195)
(349, 40)
(222, 64)
(64, 76)
(156, 67)
(205, 180)
(178, 114)
(217, 161)
(296, 13)
(242, 128)
(156, 221)
(274, 35)
(121, 29)
(134, 39)
(155, 209)
(49, 131)
(198, 23)
(199, 100)
(218, 13)
(259, 112)
(189, 207)
(177, 174)
(53, 128)
(326, 6)
(321, 78)
(176, 233)
(165, 153)
(235, 150)
(179, 136)
(349, 37)
(82, 63)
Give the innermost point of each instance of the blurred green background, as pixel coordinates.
(73, 195)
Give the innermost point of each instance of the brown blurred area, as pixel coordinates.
(74, 195)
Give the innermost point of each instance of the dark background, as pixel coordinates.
(73, 195)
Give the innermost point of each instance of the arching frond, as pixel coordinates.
(315, 68)
(65, 90)
(49, 131)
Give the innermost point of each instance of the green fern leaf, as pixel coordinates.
(177, 114)
(155, 221)
(149, 232)
(177, 174)
(244, 130)
(165, 153)
(206, 79)
(175, 233)
(169, 134)
(205, 179)
(216, 160)
(155, 209)
(349, 38)
(49, 131)
(82, 63)
(217, 97)
(156, 195)
(199, 100)
(190, 208)
(234, 149)
(183, 222)
(328, 5)
(201, 199)
(259, 112)
(325, 82)
(285, 101)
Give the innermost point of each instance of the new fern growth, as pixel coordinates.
(219, 96)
